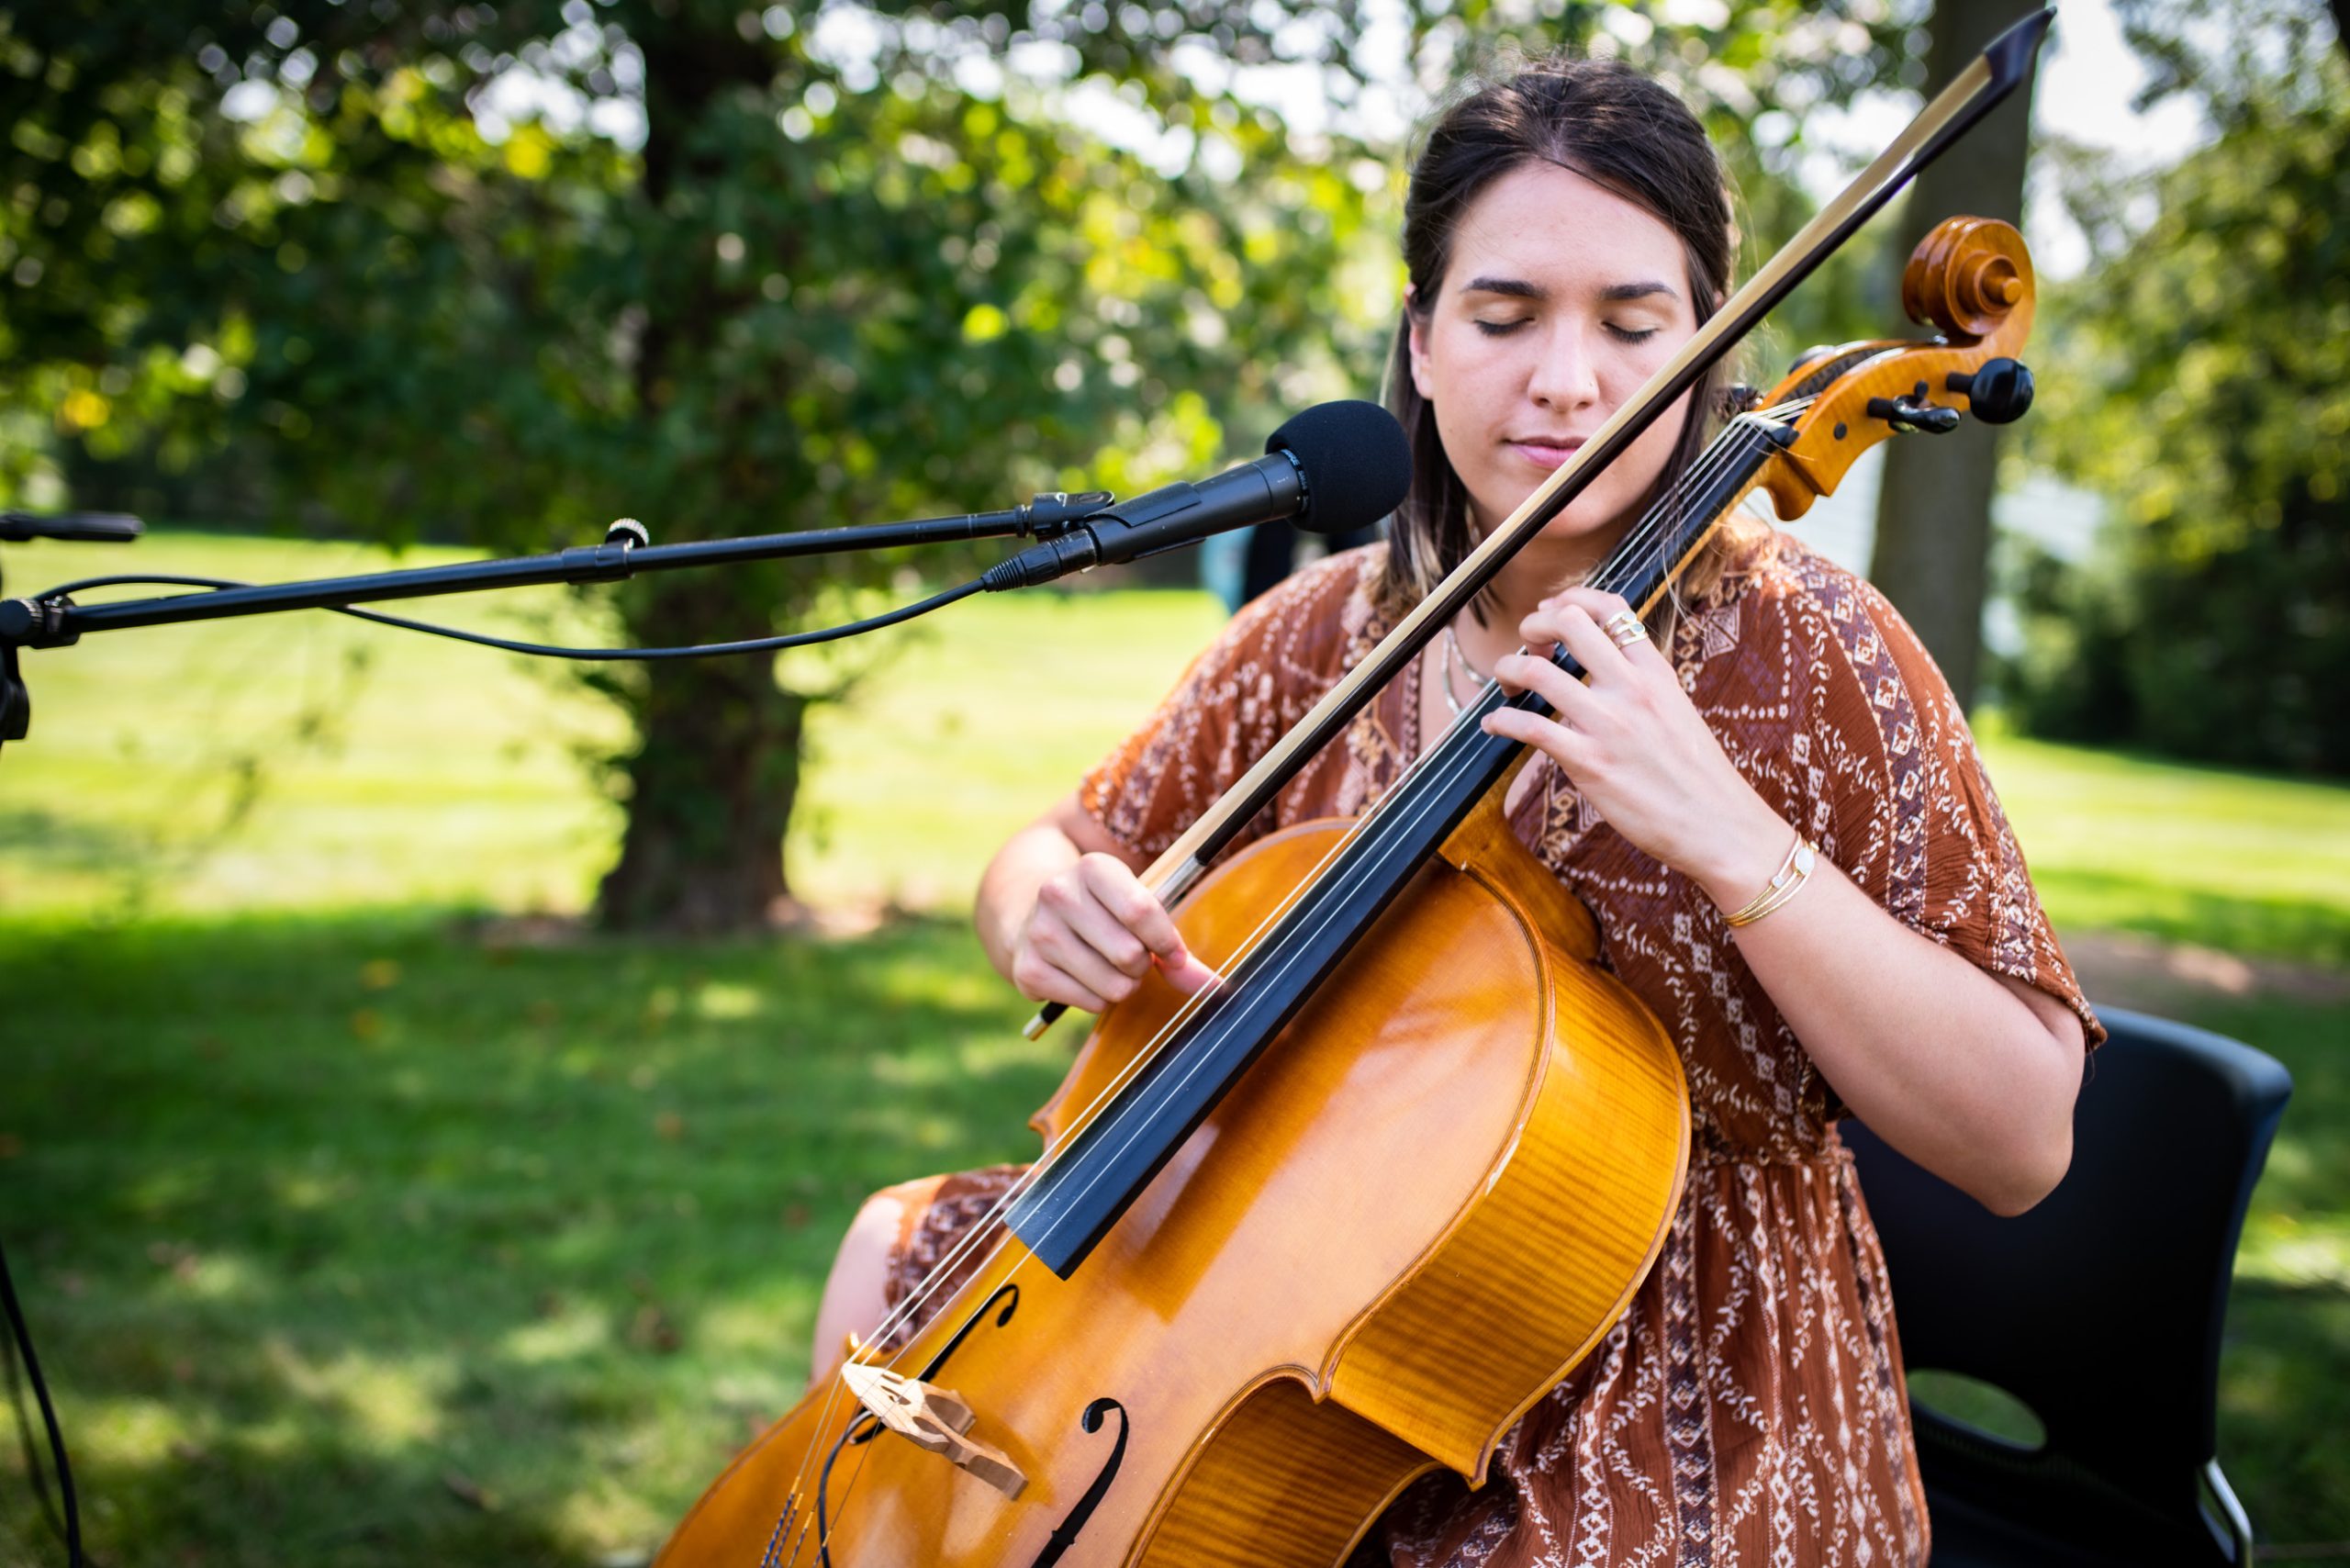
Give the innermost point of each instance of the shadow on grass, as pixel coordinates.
(44, 842)
(2300, 929)
(357, 1239)
(2285, 1409)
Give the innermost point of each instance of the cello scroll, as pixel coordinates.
(1972, 278)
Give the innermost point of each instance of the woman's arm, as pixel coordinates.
(1970, 1074)
(1063, 915)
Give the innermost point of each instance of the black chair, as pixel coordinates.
(2099, 1309)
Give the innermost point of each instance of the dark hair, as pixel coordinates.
(1608, 122)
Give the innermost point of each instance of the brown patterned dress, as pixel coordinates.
(1749, 1408)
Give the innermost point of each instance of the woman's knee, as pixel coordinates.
(880, 1224)
(857, 1291)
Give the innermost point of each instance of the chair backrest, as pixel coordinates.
(2101, 1307)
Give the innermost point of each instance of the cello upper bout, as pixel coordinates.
(1265, 875)
(1485, 844)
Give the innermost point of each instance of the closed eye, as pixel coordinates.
(1621, 334)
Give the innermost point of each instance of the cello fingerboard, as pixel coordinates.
(1103, 1167)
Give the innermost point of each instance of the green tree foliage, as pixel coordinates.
(502, 272)
(2206, 393)
(831, 286)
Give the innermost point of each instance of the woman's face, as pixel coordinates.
(1560, 301)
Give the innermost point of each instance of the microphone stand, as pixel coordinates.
(54, 620)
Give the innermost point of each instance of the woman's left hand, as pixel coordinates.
(1636, 746)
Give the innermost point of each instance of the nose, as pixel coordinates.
(1566, 375)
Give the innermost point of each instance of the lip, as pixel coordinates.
(1545, 452)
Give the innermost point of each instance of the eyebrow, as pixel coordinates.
(1518, 288)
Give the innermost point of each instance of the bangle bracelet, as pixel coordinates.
(1787, 881)
(1778, 879)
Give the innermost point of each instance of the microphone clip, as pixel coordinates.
(1051, 513)
(1165, 519)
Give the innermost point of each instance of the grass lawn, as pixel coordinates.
(355, 1240)
(2236, 861)
(351, 1241)
(352, 1234)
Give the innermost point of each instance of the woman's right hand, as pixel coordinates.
(1093, 935)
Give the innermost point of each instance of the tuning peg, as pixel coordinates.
(1999, 392)
(1914, 414)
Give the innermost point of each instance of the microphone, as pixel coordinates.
(1332, 469)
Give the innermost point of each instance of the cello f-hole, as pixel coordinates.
(1010, 1306)
(1065, 1534)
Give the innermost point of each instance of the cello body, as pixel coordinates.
(1424, 1204)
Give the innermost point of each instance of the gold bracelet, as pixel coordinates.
(1786, 882)
(1778, 879)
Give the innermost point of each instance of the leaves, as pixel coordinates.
(2206, 393)
(504, 272)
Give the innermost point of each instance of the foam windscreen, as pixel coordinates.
(1355, 462)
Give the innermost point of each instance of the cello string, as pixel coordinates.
(1710, 467)
(1657, 520)
(1699, 474)
(1456, 770)
(1445, 770)
(1703, 473)
(920, 1297)
(1193, 1071)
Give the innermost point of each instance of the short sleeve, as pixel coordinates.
(1889, 783)
(1268, 668)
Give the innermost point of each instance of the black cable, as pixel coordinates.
(124, 581)
(546, 650)
(24, 1346)
(825, 1482)
(24, 1444)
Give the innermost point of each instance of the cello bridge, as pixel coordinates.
(931, 1417)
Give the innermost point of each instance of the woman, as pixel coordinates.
(1566, 231)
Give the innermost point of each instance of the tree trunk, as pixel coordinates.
(1933, 516)
(713, 782)
(710, 787)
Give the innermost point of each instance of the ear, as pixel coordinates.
(1415, 327)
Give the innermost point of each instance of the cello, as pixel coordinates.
(1225, 1322)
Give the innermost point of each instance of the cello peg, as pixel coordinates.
(1914, 414)
(1999, 392)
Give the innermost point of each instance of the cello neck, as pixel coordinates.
(1108, 1161)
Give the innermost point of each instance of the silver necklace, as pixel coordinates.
(1454, 657)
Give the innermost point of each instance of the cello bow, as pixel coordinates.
(1987, 80)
